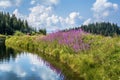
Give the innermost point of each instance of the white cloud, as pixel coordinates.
(73, 18)
(38, 16)
(45, 2)
(115, 6)
(32, 2)
(5, 4)
(54, 1)
(9, 3)
(17, 2)
(43, 17)
(103, 8)
(19, 15)
(87, 21)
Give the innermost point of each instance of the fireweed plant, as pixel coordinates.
(72, 39)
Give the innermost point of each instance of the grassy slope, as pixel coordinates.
(100, 62)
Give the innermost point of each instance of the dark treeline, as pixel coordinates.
(103, 28)
(10, 24)
(42, 31)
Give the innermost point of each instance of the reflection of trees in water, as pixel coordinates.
(6, 53)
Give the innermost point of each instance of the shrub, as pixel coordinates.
(18, 33)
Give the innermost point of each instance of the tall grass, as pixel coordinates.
(91, 56)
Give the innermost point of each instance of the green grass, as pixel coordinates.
(2, 36)
(100, 62)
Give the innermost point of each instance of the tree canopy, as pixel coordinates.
(103, 28)
(9, 24)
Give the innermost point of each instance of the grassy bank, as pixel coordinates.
(92, 57)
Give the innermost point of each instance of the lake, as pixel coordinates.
(21, 65)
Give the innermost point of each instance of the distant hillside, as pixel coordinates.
(10, 24)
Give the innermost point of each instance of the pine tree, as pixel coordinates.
(103, 28)
(10, 24)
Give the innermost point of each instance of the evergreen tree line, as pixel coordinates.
(10, 24)
(103, 28)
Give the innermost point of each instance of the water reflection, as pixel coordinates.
(6, 53)
(25, 66)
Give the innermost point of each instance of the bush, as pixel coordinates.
(18, 33)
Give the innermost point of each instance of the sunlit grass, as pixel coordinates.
(101, 61)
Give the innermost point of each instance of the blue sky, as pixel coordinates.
(61, 14)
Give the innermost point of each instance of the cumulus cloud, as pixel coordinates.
(9, 3)
(5, 4)
(17, 2)
(38, 15)
(53, 1)
(103, 8)
(87, 21)
(19, 15)
(73, 18)
(45, 2)
(32, 2)
(43, 17)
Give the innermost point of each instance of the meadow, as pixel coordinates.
(93, 57)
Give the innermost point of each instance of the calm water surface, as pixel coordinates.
(16, 65)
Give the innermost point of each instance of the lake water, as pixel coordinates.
(20, 65)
